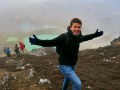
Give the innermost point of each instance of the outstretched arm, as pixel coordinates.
(47, 43)
(91, 36)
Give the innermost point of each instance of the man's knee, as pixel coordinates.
(78, 84)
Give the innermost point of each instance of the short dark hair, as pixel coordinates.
(75, 20)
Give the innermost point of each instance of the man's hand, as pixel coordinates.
(33, 40)
(98, 33)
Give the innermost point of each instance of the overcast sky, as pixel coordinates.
(29, 15)
(26, 15)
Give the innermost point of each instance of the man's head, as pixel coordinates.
(75, 26)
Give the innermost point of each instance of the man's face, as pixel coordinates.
(76, 29)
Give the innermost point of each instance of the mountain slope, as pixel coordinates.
(98, 69)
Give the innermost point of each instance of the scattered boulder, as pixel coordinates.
(11, 64)
(42, 51)
(14, 65)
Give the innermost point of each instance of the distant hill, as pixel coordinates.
(116, 42)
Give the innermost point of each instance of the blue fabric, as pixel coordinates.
(70, 76)
(7, 51)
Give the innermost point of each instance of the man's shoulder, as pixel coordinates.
(64, 34)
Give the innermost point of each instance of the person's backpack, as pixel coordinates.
(59, 48)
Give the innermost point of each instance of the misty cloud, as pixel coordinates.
(30, 15)
(95, 14)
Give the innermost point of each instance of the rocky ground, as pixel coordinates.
(98, 69)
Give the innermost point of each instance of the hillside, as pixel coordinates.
(99, 69)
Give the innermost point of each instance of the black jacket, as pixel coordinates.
(69, 53)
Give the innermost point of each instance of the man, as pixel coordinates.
(68, 55)
(16, 50)
(22, 47)
(8, 52)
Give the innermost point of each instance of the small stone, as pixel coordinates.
(35, 85)
(22, 67)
